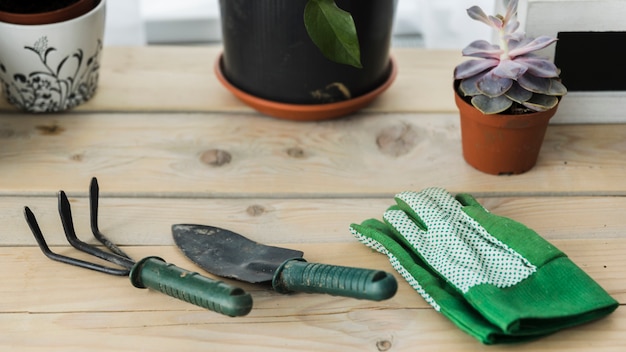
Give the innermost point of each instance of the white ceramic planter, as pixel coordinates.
(52, 67)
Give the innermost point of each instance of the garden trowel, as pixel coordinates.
(228, 254)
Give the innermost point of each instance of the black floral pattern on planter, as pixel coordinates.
(58, 85)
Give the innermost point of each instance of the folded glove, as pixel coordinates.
(495, 278)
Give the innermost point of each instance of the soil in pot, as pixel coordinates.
(501, 144)
(43, 11)
(21, 6)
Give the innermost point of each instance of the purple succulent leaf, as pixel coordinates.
(516, 75)
(557, 88)
(540, 102)
(518, 94)
(536, 44)
(517, 40)
(488, 105)
(470, 68)
(469, 86)
(514, 38)
(534, 84)
(542, 85)
(494, 86)
(511, 27)
(509, 69)
(476, 13)
(482, 49)
(539, 67)
(511, 10)
(496, 22)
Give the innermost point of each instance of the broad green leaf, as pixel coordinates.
(333, 32)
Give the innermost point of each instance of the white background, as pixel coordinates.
(430, 23)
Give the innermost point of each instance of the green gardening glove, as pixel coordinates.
(493, 277)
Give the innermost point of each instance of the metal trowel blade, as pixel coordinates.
(227, 254)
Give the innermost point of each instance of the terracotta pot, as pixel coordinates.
(74, 10)
(501, 144)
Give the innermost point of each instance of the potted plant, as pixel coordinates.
(506, 96)
(52, 61)
(306, 59)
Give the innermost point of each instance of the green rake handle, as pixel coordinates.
(191, 287)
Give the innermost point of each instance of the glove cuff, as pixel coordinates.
(557, 296)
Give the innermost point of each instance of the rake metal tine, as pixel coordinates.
(66, 218)
(94, 192)
(34, 227)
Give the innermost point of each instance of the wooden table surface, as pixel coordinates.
(169, 145)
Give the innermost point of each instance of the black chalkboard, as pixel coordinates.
(592, 61)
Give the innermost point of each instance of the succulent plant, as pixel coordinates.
(510, 76)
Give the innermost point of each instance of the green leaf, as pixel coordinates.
(333, 32)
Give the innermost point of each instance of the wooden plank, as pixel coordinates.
(164, 78)
(70, 289)
(219, 155)
(73, 289)
(348, 330)
(83, 310)
(147, 221)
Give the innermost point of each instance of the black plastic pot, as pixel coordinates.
(268, 53)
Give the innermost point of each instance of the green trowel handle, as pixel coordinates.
(297, 275)
(220, 297)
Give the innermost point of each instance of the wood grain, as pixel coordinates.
(99, 312)
(181, 79)
(170, 145)
(178, 78)
(147, 221)
(360, 330)
(219, 155)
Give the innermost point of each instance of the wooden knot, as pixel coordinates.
(216, 157)
(383, 345)
(51, 130)
(296, 153)
(397, 140)
(255, 210)
(77, 157)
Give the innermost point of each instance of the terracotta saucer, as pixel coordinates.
(306, 112)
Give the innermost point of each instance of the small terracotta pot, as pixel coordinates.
(74, 10)
(501, 144)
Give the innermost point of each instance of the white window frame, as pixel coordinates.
(549, 17)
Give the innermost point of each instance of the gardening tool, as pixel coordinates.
(150, 272)
(228, 254)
